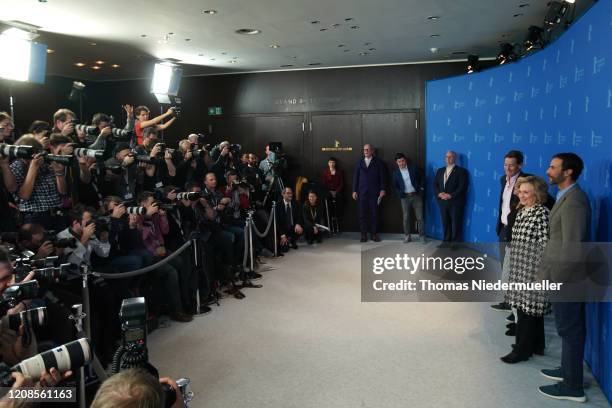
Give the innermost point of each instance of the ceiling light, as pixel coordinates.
(234, 57)
(371, 49)
(42, 1)
(93, 44)
(341, 45)
(312, 64)
(315, 22)
(349, 19)
(274, 46)
(248, 31)
(99, 62)
(355, 27)
(362, 53)
(517, 15)
(212, 59)
(233, 61)
(95, 67)
(523, 5)
(224, 53)
(50, 51)
(472, 65)
(80, 64)
(143, 35)
(323, 29)
(434, 35)
(368, 43)
(286, 66)
(433, 18)
(200, 55)
(210, 12)
(534, 37)
(170, 33)
(20, 34)
(570, 1)
(115, 66)
(433, 50)
(506, 53)
(187, 39)
(336, 25)
(347, 50)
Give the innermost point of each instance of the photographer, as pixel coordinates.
(226, 157)
(135, 388)
(121, 173)
(102, 133)
(41, 130)
(32, 238)
(83, 227)
(64, 121)
(143, 122)
(6, 127)
(8, 183)
(40, 187)
(152, 226)
(193, 165)
(160, 168)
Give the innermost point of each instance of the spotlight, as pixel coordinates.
(506, 53)
(556, 13)
(27, 60)
(472, 64)
(166, 81)
(534, 38)
(77, 94)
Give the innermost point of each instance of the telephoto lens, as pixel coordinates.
(16, 152)
(83, 152)
(53, 274)
(64, 242)
(69, 356)
(34, 318)
(66, 160)
(193, 196)
(136, 210)
(20, 291)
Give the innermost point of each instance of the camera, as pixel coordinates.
(170, 393)
(53, 273)
(177, 110)
(136, 210)
(17, 293)
(193, 196)
(16, 152)
(83, 152)
(69, 356)
(133, 350)
(60, 242)
(31, 318)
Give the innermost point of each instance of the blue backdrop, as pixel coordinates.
(556, 100)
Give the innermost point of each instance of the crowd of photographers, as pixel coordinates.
(77, 198)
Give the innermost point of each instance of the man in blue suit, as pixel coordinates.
(368, 190)
(409, 188)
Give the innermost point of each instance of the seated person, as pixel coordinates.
(312, 214)
(288, 221)
(83, 228)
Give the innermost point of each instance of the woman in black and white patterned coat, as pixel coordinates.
(529, 238)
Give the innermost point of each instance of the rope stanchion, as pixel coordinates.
(275, 240)
(246, 242)
(328, 219)
(146, 269)
(260, 234)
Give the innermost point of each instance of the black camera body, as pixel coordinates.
(17, 293)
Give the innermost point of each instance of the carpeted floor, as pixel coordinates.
(306, 340)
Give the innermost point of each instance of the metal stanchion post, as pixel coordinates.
(77, 317)
(274, 221)
(331, 230)
(95, 363)
(250, 221)
(196, 265)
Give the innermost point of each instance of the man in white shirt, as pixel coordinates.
(83, 228)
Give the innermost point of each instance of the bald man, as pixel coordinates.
(369, 184)
(450, 187)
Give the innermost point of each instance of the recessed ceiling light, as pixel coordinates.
(349, 19)
(212, 59)
(355, 27)
(517, 15)
(170, 33)
(434, 35)
(99, 62)
(143, 35)
(459, 52)
(42, 1)
(286, 65)
(336, 25)
(187, 39)
(95, 67)
(50, 51)
(315, 22)
(433, 18)
(79, 64)
(233, 61)
(524, 5)
(115, 66)
(371, 49)
(362, 53)
(210, 12)
(274, 46)
(93, 44)
(341, 45)
(200, 55)
(224, 53)
(368, 43)
(234, 57)
(248, 31)
(323, 29)
(347, 50)
(312, 64)
(433, 50)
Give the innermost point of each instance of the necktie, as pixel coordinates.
(288, 207)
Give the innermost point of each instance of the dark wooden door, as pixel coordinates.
(391, 133)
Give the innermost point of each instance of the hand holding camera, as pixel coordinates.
(118, 211)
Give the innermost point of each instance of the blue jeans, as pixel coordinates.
(571, 326)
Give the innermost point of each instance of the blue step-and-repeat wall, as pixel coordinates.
(556, 100)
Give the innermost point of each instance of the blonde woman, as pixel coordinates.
(529, 238)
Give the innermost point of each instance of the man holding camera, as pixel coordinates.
(159, 167)
(143, 122)
(83, 228)
(193, 166)
(121, 173)
(39, 187)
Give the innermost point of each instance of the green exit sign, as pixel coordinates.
(214, 111)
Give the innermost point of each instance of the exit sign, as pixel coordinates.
(214, 111)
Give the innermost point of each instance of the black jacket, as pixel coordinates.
(456, 185)
(283, 219)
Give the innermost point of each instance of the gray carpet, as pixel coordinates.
(306, 340)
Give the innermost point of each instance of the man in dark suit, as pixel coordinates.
(409, 188)
(450, 186)
(288, 221)
(562, 261)
(368, 189)
(513, 164)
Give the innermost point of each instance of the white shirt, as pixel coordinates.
(408, 187)
(82, 254)
(367, 160)
(506, 197)
(447, 172)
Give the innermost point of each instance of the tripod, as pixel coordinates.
(276, 190)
